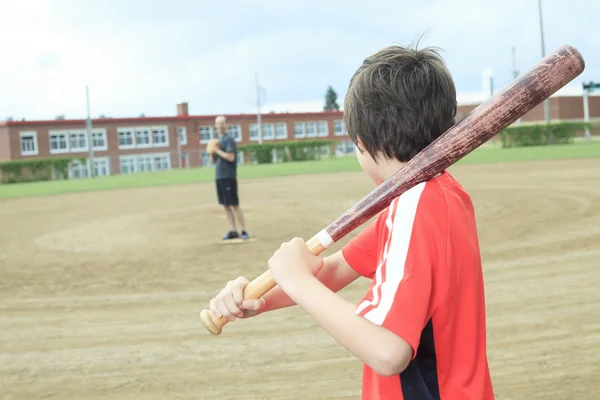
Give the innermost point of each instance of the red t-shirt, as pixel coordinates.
(422, 253)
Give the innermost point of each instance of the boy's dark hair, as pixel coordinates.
(399, 101)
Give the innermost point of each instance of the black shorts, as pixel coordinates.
(227, 192)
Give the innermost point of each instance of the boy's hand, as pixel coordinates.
(230, 302)
(293, 263)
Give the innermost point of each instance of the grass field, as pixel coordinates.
(482, 155)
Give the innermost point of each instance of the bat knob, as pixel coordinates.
(210, 322)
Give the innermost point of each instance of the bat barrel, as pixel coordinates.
(480, 125)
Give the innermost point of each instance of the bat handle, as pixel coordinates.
(254, 290)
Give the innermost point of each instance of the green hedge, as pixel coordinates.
(299, 150)
(31, 170)
(540, 134)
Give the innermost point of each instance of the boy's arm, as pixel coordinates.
(384, 351)
(335, 275)
(386, 332)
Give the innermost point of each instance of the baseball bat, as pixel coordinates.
(499, 111)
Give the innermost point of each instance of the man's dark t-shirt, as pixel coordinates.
(223, 168)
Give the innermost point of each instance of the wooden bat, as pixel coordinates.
(480, 125)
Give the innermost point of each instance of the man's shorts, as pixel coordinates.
(227, 192)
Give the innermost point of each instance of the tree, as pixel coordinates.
(331, 100)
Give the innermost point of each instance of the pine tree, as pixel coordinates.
(331, 100)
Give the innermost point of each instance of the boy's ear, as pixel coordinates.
(360, 145)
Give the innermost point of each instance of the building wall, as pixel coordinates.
(5, 150)
(561, 108)
(189, 153)
(36, 135)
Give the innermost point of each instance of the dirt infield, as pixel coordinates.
(100, 292)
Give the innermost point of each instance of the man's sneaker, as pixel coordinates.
(231, 235)
(245, 235)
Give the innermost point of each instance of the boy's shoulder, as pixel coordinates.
(427, 203)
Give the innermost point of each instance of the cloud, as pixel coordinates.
(146, 59)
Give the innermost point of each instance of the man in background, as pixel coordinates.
(224, 154)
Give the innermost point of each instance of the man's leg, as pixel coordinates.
(235, 201)
(223, 188)
(240, 216)
(230, 217)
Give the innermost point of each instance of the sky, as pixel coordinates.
(146, 57)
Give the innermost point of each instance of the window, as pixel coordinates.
(101, 167)
(322, 128)
(311, 130)
(268, 133)
(125, 138)
(127, 165)
(182, 134)
(99, 140)
(345, 147)
(58, 143)
(253, 131)
(339, 128)
(206, 133)
(29, 143)
(280, 131)
(235, 131)
(142, 137)
(144, 164)
(159, 136)
(205, 159)
(77, 169)
(162, 162)
(299, 130)
(184, 161)
(78, 141)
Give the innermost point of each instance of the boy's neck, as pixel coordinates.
(388, 167)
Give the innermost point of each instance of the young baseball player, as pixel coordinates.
(421, 327)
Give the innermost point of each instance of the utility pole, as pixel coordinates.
(258, 116)
(515, 72)
(178, 138)
(547, 101)
(89, 135)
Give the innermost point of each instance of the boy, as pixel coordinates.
(420, 328)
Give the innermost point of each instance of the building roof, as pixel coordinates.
(161, 119)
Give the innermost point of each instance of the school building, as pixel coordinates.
(130, 145)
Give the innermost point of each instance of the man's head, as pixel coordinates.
(398, 102)
(221, 124)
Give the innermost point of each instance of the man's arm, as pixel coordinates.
(335, 274)
(227, 156)
(228, 151)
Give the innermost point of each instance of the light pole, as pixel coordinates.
(547, 101)
(88, 127)
(258, 116)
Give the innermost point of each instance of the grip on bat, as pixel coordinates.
(257, 288)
